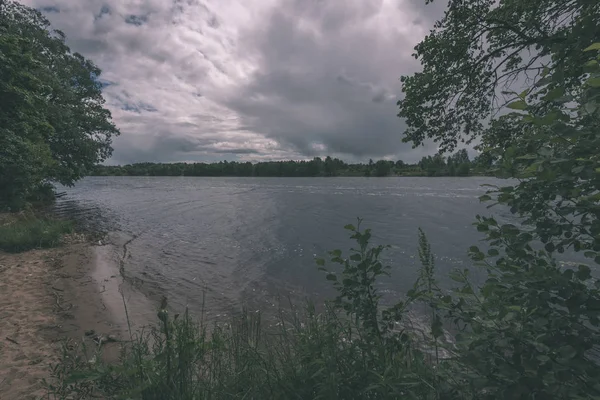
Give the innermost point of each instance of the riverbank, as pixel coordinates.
(51, 298)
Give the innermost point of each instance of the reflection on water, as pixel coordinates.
(242, 241)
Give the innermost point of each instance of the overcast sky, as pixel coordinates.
(206, 80)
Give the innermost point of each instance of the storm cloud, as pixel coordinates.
(190, 80)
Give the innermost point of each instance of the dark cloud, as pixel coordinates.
(104, 10)
(237, 151)
(164, 147)
(136, 20)
(263, 79)
(49, 9)
(329, 89)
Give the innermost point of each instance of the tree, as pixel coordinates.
(53, 124)
(330, 166)
(460, 157)
(463, 169)
(383, 168)
(534, 323)
(481, 47)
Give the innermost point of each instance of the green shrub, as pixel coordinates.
(31, 232)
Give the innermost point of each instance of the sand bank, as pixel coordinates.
(56, 296)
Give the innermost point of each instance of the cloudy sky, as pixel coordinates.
(206, 80)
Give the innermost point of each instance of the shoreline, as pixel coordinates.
(73, 295)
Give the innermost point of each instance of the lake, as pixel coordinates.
(225, 243)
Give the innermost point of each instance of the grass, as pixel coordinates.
(358, 349)
(305, 356)
(27, 232)
(302, 354)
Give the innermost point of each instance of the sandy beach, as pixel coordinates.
(60, 297)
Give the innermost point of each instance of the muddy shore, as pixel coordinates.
(62, 297)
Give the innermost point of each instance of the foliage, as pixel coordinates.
(557, 162)
(531, 329)
(53, 126)
(357, 294)
(548, 316)
(29, 232)
(481, 47)
(457, 164)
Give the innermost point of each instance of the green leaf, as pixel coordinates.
(528, 157)
(349, 282)
(485, 197)
(593, 82)
(567, 352)
(554, 94)
(350, 227)
(456, 276)
(523, 94)
(493, 252)
(590, 107)
(356, 257)
(331, 277)
(320, 261)
(517, 105)
(583, 272)
(549, 247)
(589, 254)
(595, 46)
(482, 228)
(545, 151)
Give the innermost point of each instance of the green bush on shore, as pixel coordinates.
(30, 232)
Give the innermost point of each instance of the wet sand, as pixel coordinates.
(49, 298)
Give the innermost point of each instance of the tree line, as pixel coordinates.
(457, 164)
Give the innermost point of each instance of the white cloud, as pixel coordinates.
(263, 79)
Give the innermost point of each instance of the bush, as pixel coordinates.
(30, 232)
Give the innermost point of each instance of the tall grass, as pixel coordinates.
(307, 356)
(303, 354)
(28, 232)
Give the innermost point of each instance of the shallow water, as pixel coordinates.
(219, 244)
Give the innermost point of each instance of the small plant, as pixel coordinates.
(357, 294)
(29, 232)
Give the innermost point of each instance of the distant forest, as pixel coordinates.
(457, 164)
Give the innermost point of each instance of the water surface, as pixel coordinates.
(233, 242)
